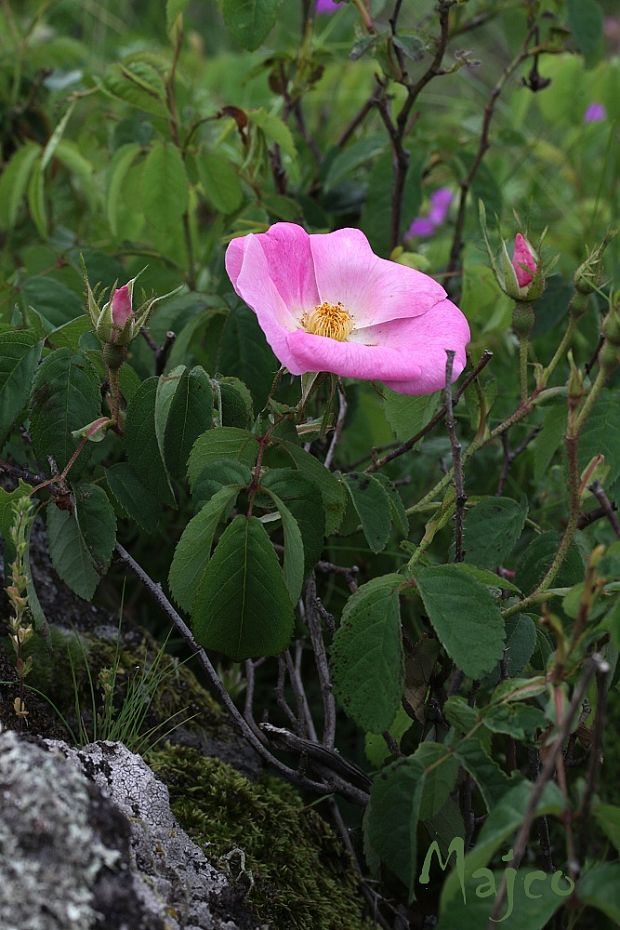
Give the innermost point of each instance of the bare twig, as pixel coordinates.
(410, 443)
(459, 479)
(608, 508)
(596, 760)
(322, 665)
(342, 414)
(333, 782)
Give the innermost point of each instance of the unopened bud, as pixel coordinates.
(587, 275)
(611, 325)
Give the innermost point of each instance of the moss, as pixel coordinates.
(303, 878)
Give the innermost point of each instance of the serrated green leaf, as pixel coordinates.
(599, 887)
(193, 550)
(141, 442)
(65, 397)
(300, 496)
(464, 616)
(134, 499)
(250, 21)
(14, 182)
(216, 475)
(608, 818)
(165, 186)
(220, 181)
(139, 84)
(236, 402)
(352, 157)
(221, 443)
(372, 505)
(190, 414)
(492, 529)
(601, 434)
(82, 541)
(491, 780)
(392, 818)
(242, 607)
(19, 355)
(332, 490)
(408, 415)
(293, 563)
(244, 353)
(367, 661)
(272, 126)
(121, 163)
(52, 300)
(459, 714)
(485, 577)
(80, 169)
(36, 199)
(70, 334)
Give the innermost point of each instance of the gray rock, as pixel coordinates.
(88, 842)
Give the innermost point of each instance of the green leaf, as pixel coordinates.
(245, 354)
(464, 616)
(300, 496)
(503, 820)
(14, 182)
(349, 159)
(441, 769)
(135, 500)
(398, 513)
(165, 186)
(250, 21)
(367, 654)
(585, 20)
(141, 442)
(491, 780)
(80, 169)
(536, 559)
(66, 396)
(332, 490)
(121, 163)
(36, 199)
(600, 888)
(608, 818)
(392, 818)
(517, 720)
(236, 402)
(221, 443)
(492, 529)
(242, 607)
(190, 414)
(372, 505)
(139, 84)
(484, 576)
(408, 415)
(273, 127)
(376, 220)
(521, 911)
(82, 541)
(52, 300)
(220, 181)
(377, 751)
(217, 475)
(520, 643)
(293, 565)
(193, 550)
(69, 335)
(549, 439)
(174, 8)
(459, 714)
(19, 356)
(166, 388)
(601, 434)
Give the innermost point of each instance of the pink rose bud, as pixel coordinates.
(121, 306)
(523, 261)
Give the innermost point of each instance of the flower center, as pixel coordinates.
(329, 320)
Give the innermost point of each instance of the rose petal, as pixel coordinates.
(408, 354)
(371, 289)
(254, 283)
(289, 260)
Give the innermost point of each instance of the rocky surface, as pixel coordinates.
(88, 842)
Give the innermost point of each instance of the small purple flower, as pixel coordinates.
(424, 226)
(326, 6)
(595, 113)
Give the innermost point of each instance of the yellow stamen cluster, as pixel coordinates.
(329, 320)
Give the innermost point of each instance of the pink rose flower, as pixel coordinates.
(523, 261)
(424, 226)
(328, 303)
(327, 6)
(596, 113)
(121, 305)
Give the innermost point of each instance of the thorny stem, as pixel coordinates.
(459, 480)
(596, 759)
(564, 727)
(524, 346)
(322, 665)
(410, 443)
(561, 350)
(342, 414)
(115, 395)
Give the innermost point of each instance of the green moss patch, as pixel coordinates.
(303, 879)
